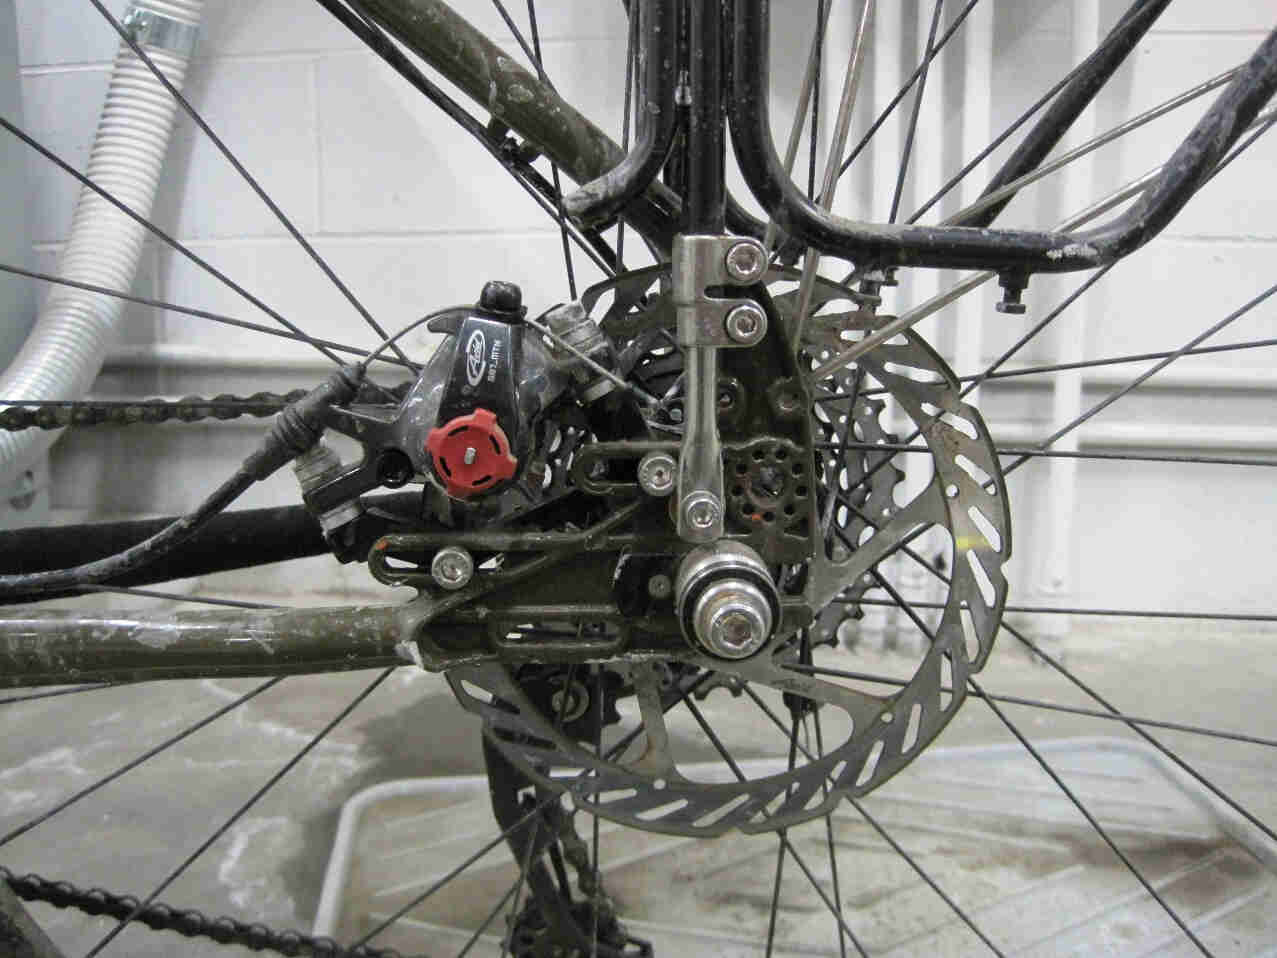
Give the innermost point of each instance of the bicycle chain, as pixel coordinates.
(123, 413)
(60, 414)
(188, 922)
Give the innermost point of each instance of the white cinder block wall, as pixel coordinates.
(413, 216)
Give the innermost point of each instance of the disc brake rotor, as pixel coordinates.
(636, 780)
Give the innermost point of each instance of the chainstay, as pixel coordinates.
(187, 922)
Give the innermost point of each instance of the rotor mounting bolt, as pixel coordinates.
(746, 324)
(452, 567)
(745, 262)
(703, 510)
(656, 473)
(469, 456)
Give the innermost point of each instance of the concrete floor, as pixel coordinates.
(270, 866)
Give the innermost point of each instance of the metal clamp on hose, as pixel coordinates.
(151, 29)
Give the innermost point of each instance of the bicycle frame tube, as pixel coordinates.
(1019, 252)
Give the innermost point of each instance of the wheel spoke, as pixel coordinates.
(912, 129)
(1121, 360)
(165, 237)
(617, 749)
(975, 686)
(1005, 193)
(74, 690)
(533, 183)
(904, 90)
(248, 178)
(141, 759)
(1145, 376)
(631, 54)
(174, 596)
(242, 810)
(785, 843)
(198, 313)
(1117, 613)
(594, 841)
(806, 95)
(492, 915)
(518, 885)
(921, 872)
(893, 447)
(1001, 138)
(1038, 703)
(1094, 823)
(851, 85)
(554, 167)
(1169, 753)
(829, 818)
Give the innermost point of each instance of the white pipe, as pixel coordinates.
(886, 51)
(1055, 576)
(69, 342)
(924, 177)
(977, 132)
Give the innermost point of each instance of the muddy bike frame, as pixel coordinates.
(706, 73)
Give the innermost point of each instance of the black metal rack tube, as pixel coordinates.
(1021, 251)
(602, 198)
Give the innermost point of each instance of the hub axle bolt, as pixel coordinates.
(703, 510)
(452, 567)
(656, 473)
(746, 262)
(746, 324)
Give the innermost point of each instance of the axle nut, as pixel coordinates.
(725, 600)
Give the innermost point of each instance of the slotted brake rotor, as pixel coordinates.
(878, 734)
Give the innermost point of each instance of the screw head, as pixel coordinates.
(660, 586)
(657, 473)
(732, 619)
(452, 567)
(746, 324)
(745, 261)
(703, 510)
(469, 456)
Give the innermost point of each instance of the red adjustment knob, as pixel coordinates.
(471, 454)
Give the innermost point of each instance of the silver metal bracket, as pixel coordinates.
(705, 324)
(703, 262)
(151, 29)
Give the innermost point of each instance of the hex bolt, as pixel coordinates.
(746, 324)
(703, 510)
(1012, 289)
(657, 472)
(469, 456)
(732, 619)
(745, 262)
(726, 600)
(452, 567)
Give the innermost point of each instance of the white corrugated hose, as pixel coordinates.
(65, 350)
